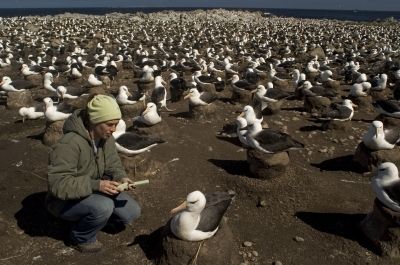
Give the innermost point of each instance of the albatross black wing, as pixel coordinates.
(276, 94)
(275, 141)
(389, 106)
(216, 205)
(158, 94)
(133, 141)
(208, 97)
(394, 192)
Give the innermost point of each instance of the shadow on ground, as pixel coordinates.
(339, 224)
(35, 220)
(150, 244)
(341, 163)
(233, 167)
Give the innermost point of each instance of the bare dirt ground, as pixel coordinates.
(321, 198)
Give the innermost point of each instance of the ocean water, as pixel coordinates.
(351, 15)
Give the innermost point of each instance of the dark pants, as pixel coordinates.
(92, 213)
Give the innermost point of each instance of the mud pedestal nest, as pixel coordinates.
(37, 80)
(160, 129)
(146, 86)
(266, 166)
(132, 110)
(273, 107)
(217, 250)
(344, 126)
(382, 228)
(16, 100)
(202, 112)
(99, 90)
(369, 159)
(363, 103)
(53, 132)
(140, 166)
(312, 104)
(243, 97)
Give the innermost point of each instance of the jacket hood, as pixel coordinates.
(75, 124)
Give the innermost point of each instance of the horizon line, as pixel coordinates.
(200, 7)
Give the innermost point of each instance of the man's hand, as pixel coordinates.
(109, 187)
(129, 181)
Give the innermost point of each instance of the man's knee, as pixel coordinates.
(102, 209)
(130, 212)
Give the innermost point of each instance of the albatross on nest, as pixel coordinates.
(198, 218)
(270, 141)
(341, 112)
(52, 113)
(379, 138)
(149, 116)
(386, 185)
(388, 107)
(30, 113)
(241, 85)
(15, 86)
(200, 99)
(124, 97)
(130, 143)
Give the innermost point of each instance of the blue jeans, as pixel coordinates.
(92, 213)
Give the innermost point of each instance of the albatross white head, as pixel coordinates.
(123, 92)
(249, 114)
(119, 129)
(234, 79)
(387, 174)
(5, 81)
(193, 93)
(194, 203)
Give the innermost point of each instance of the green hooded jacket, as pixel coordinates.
(74, 169)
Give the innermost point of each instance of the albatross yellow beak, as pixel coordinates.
(241, 114)
(187, 96)
(179, 208)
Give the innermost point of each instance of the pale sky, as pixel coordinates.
(389, 5)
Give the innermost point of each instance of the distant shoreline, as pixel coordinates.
(344, 15)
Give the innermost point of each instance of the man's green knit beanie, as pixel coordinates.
(103, 108)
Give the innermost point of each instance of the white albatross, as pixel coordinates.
(130, 143)
(386, 185)
(200, 99)
(30, 113)
(379, 138)
(149, 116)
(52, 113)
(124, 97)
(199, 216)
